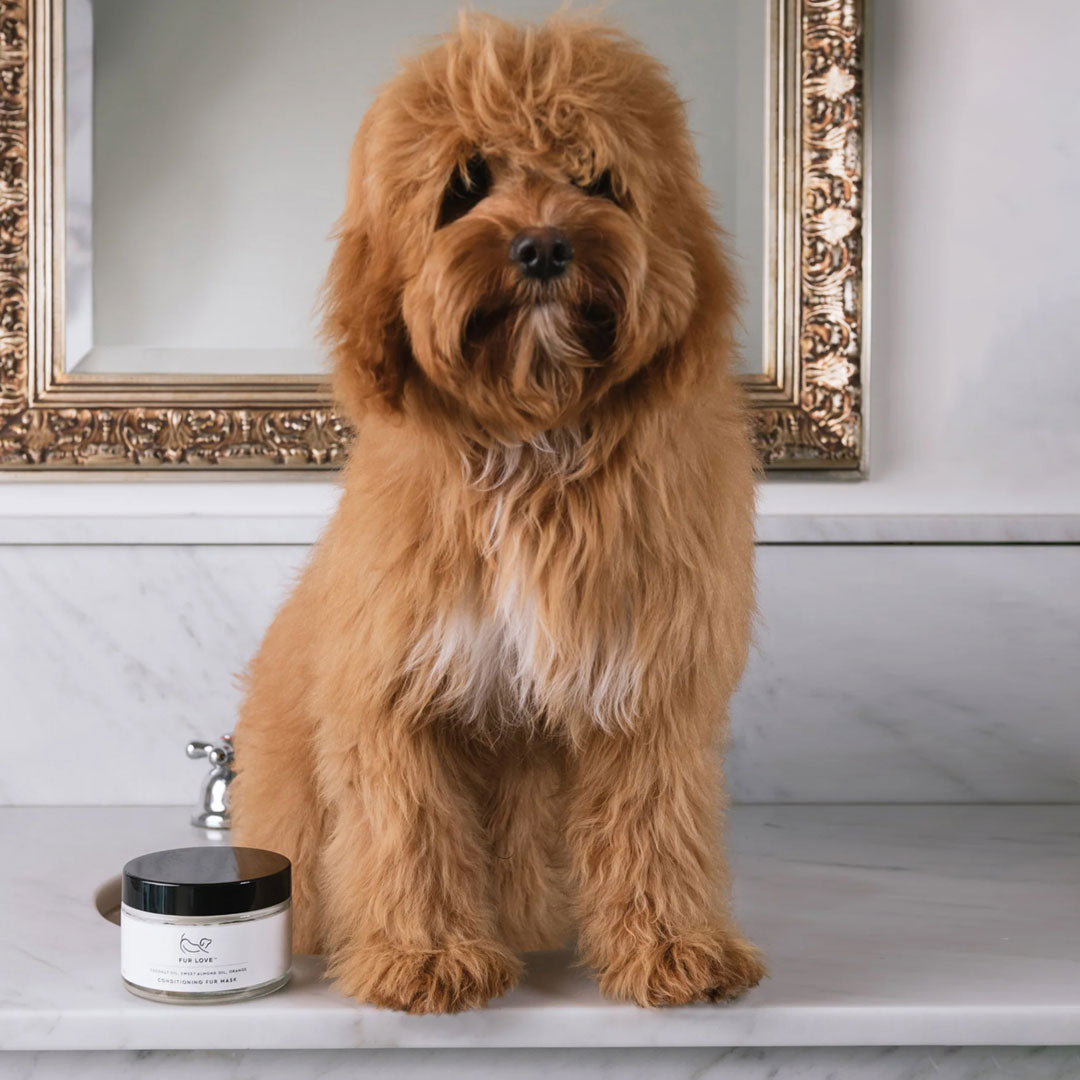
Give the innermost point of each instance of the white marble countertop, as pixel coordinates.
(884, 925)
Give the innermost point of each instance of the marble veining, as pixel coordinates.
(676, 1063)
(897, 674)
(884, 926)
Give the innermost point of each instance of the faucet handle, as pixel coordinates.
(217, 755)
(213, 809)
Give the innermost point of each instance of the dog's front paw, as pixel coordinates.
(691, 966)
(456, 976)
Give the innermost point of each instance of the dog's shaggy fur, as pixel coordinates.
(489, 712)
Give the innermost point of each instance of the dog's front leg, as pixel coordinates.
(644, 844)
(408, 878)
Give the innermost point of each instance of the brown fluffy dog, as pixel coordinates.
(488, 714)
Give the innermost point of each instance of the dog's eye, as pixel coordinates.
(601, 187)
(465, 190)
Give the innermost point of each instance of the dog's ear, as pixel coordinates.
(709, 339)
(362, 302)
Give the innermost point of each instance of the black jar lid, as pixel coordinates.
(207, 881)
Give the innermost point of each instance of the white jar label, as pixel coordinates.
(204, 958)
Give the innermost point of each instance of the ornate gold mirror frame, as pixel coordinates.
(807, 402)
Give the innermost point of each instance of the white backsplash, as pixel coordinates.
(882, 673)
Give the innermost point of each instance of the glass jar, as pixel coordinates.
(206, 925)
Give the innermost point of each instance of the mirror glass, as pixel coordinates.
(206, 149)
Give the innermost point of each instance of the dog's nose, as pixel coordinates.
(541, 252)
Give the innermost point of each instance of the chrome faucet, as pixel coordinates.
(213, 811)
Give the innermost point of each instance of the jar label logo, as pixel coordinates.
(200, 946)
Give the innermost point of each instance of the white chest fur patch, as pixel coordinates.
(505, 668)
